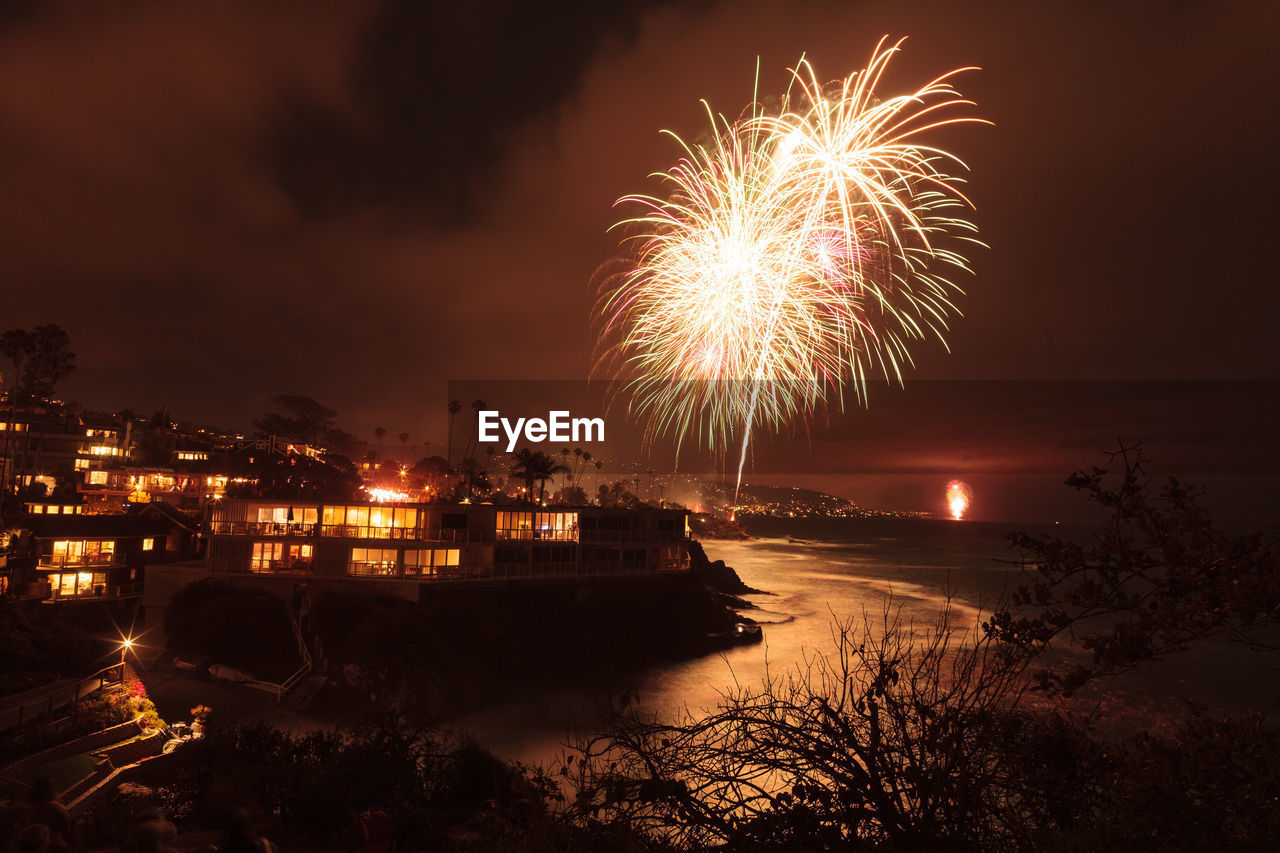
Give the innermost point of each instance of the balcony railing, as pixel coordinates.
(365, 531)
(291, 566)
(520, 571)
(262, 528)
(65, 561)
(440, 534)
(95, 592)
(525, 534)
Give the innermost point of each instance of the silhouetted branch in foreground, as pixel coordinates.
(1158, 574)
(901, 734)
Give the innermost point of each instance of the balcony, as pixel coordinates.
(359, 531)
(68, 561)
(527, 534)
(98, 592)
(285, 566)
(262, 528)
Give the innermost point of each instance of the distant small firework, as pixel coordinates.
(801, 250)
(959, 497)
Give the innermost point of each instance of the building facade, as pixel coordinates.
(41, 447)
(432, 543)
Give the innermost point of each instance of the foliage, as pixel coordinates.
(616, 495)
(301, 419)
(431, 472)
(41, 359)
(571, 496)
(41, 645)
(298, 477)
(1159, 574)
(153, 444)
(535, 467)
(104, 709)
(473, 479)
(898, 737)
(444, 795)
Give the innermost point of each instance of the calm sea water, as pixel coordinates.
(818, 569)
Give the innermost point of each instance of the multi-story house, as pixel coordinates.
(403, 549)
(96, 557)
(43, 446)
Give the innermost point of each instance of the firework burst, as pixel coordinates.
(800, 252)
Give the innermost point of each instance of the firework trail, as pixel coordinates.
(799, 252)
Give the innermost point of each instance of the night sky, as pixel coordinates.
(360, 201)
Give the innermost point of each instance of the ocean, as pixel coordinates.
(814, 571)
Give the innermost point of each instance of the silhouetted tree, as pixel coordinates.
(303, 420)
(17, 345)
(41, 359)
(474, 435)
(300, 477)
(535, 467)
(1158, 575)
(454, 407)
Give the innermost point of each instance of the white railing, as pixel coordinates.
(292, 682)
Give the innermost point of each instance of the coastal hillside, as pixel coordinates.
(460, 647)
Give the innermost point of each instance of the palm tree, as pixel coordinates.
(404, 445)
(599, 464)
(474, 476)
(476, 405)
(379, 433)
(454, 408)
(536, 467)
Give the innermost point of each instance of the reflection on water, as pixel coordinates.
(846, 568)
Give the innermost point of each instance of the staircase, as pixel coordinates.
(304, 652)
(114, 759)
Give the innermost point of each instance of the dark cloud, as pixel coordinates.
(442, 87)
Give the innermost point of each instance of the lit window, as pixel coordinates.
(68, 550)
(280, 514)
(561, 526)
(428, 563)
(375, 562)
(97, 478)
(266, 555)
(148, 544)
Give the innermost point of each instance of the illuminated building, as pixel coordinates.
(100, 557)
(403, 549)
(42, 447)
